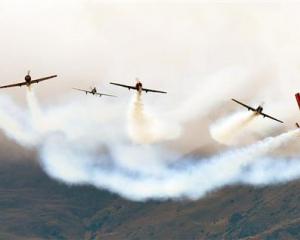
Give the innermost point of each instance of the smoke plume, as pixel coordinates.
(81, 155)
(38, 123)
(150, 172)
(227, 130)
(145, 128)
(201, 54)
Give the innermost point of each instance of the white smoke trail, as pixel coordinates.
(266, 172)
(210, 92)
(227, 130)
(14, 123)
(36, 114)
(144, 128)
(141, 172)
(149, 172)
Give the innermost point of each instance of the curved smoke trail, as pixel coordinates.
(141, 172)
(227, 130)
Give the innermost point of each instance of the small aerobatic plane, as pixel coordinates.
(93, 91)
(258, 110)
(138, 87)
(28, 81)
(297, 95)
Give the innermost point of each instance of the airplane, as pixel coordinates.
(93, 91)
(297, 96)
(258, 110)
(28, 81)
(138, 86)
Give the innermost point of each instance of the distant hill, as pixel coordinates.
(33, 206)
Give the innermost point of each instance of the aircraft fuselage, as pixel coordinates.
(28, 79)
(139, 86)
(94, 91)
(259, 109)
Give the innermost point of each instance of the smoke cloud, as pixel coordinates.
(228, 130)
(35, 110)
(149, 172)
(202, 54)
(141, 171)
(144, 128)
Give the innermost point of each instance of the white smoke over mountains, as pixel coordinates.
(86, 155)
(201, 54)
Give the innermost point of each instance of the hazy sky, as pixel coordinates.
(202, 53)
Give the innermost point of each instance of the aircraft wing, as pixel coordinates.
(82, 90)
(14, 85)
(123, 85)
(25, 83)
(102, 94)
(42, 79)
(99, 94)
(244, 105)
(151, 90)
(268, 116)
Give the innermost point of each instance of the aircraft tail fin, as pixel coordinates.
(297, 95)
(297, 125)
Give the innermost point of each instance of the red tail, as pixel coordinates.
(297, 95)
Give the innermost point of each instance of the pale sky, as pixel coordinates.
(202, 53)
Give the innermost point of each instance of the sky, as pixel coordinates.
(203, 53)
